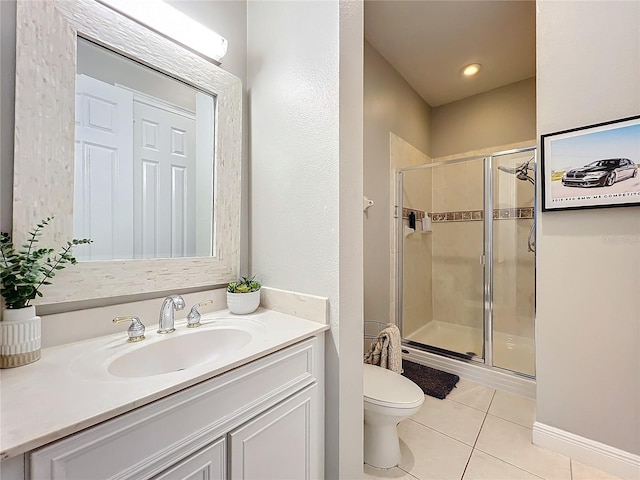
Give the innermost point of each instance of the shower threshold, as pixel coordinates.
(510, 352)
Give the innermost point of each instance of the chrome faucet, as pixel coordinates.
(169, 306)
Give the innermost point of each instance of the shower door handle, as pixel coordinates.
(482, 259)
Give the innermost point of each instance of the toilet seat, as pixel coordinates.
(385, 388)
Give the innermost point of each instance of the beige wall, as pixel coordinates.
(390, 105)
(498, 117)
(588, 311)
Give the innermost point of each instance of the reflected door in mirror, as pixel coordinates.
(144, 161)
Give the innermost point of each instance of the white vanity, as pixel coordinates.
(252, 413)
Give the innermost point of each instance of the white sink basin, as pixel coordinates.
(176, 353)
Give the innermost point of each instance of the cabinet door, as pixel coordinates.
(206, 464)
(281, 444)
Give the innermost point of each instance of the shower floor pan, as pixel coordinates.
(510, 352)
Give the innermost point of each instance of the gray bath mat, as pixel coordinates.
(434, 383)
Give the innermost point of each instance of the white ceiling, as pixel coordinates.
(429, 42)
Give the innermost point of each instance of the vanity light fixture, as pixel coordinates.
(471, 69)
(168, 21)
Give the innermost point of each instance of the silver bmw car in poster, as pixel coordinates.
(601, 173)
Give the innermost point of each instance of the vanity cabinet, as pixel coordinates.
(263, 420)
(207, 463)
(276, 444)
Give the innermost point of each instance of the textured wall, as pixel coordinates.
(588, 333)
(302, 163)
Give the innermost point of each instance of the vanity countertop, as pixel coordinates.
(70, 389)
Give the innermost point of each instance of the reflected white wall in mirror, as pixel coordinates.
(144, 155)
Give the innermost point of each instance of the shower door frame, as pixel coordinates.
(486, 258)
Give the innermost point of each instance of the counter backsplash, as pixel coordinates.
(68, 327)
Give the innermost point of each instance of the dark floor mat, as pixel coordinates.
(434, 383)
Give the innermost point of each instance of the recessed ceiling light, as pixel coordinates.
(471, 70)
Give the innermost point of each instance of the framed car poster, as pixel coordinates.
(592, 167)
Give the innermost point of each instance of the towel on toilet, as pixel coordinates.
(385, 350)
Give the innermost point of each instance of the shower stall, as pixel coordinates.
(465, 261)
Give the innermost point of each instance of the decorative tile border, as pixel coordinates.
(471, 215)
(513, 213)
(419, 213)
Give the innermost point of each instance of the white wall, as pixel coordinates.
(349, 428)
(588, 262)
(390, 105)
(303, 219)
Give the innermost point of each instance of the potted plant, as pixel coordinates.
(22, 274)
(243, 296)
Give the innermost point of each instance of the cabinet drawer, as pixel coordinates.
(146, 441)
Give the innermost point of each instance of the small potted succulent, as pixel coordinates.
(23, 273)
(243, 296)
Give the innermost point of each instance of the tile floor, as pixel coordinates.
(478, 433)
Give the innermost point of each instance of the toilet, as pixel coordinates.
(389, 398)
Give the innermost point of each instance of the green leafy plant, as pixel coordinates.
(25, 271)
(244, 285)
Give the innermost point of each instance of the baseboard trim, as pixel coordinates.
(474, 372)
(599, 455)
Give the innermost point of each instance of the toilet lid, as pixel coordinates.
(389, 389)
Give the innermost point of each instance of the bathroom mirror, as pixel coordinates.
(143, 176)
(47, 59)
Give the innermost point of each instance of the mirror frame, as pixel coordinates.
(46, 45)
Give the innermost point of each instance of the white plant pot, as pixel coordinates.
(243, 303)
(20, 332)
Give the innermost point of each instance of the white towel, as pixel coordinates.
(385, 350)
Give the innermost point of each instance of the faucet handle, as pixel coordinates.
(193, 319)
(135, 330)
(178, 302)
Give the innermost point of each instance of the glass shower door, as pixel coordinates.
(513, 266)
(440, 235)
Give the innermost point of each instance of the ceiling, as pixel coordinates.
(429, 42)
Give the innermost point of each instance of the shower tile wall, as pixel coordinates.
(418, 294)
(417, 257)
(457, 245)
